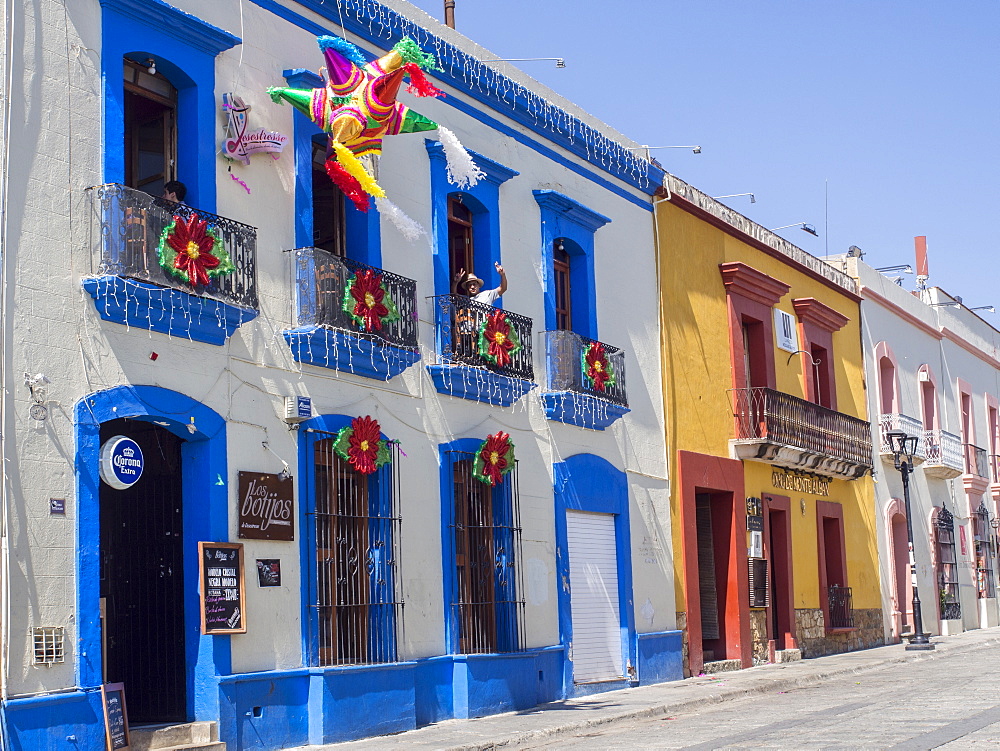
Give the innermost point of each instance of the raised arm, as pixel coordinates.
(503, 278)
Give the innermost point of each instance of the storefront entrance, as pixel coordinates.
(142, 578)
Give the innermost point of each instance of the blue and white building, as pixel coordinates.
(409, 595)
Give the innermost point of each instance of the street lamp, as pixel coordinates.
(903, 448)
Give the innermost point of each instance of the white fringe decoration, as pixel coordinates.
(462, 170)
(406, 226)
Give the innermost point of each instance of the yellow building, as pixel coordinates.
(768, 439)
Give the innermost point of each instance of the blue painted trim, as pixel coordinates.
(660, 657)
(340, 350)
(363, 231)
(585, 482)
(168, 311)
(185, 49)
(477, 384)
(184, 27)
(483, 200)
(517, 103)
(68, 720)
(205, 489)
(528, 118)
(569, 220)
(582, 410)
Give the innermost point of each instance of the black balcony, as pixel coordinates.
(331, 293)
(352, 317)
(840, 607)
(977, 461)
(483, 336)
(129, 226)
(787, 431)
(585, 366)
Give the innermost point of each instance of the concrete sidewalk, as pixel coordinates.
(547, 720)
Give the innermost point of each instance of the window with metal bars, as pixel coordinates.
(355, 526)
(486, 602)
(944, 528)
(985, 585)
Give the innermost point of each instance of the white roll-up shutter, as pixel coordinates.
(593, 575)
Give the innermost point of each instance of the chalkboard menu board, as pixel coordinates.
(115, 717)
(223, 597)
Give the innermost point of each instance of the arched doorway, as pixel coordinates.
(902, 592)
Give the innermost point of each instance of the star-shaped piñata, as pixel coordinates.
(357, 107)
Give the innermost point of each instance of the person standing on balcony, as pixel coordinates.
(175, 191)
(470, 285)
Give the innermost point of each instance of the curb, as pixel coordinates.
(758, 687)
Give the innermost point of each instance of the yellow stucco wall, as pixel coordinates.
(698, 374)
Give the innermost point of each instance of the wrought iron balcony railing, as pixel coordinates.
(894, 422)
(483, 336)
(128, 228)
(764, 414)
(337, 292)
(586, 366)
(976, 461)
(943, 450)
(841, 607)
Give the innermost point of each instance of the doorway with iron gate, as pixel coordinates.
(142, 577)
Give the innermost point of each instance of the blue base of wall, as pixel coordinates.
(56, 722)
(586, 689)
(583, 410)
(660, 657)
(340, 350)
(169, 311)
(280, 709)
(479, 385)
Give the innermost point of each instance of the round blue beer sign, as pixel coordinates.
(121, 462)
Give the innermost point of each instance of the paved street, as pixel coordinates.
(882, 698)
(950, 703)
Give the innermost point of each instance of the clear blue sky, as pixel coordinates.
(895, 102)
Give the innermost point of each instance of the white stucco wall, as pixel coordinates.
(919, 334)
(56, 152)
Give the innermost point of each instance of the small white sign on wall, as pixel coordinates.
(784, 331)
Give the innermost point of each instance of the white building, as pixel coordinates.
(933, 371)
(405, 596)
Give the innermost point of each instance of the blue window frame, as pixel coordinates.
(184, 49)
(350, 542)
(482, 557)
(571, 225)
(482, 200)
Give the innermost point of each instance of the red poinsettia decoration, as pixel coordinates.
(497, 340)
(494, 459)
(193, 244)
(363, 444)
(368, 294)
(597, 367)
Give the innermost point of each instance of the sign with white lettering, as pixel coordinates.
(220, 567)
(266, 507)
(116, 737)
(121, 462)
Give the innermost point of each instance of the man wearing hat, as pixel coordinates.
(470, 285)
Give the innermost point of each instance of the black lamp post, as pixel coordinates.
(903, 448)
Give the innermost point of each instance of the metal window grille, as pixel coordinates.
(985, 585)
(841, 607)
(487, 532)
(126, 227)
(48, 643)
(358, 614)
(760, 591)
(948, 599)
